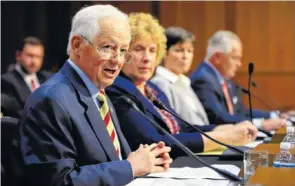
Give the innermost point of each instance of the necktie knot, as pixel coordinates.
(102, 96)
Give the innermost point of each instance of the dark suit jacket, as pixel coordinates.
(206, 85)
(16, 92)
(137, 129)
(63, 139)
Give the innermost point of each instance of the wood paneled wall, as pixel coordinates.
(267, 30)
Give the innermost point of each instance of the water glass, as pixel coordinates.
(252, 160)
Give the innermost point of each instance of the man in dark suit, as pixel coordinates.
(26, 76)
(69, 133)
(219, 95)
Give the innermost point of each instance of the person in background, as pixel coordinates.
(212, 82)
(148, 46)
(26, 77)
(69, 133)
(171, 78)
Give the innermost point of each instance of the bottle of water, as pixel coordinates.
(290, 135)
(284, 158)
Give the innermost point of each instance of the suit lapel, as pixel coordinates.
(151, 111)
(21, 86)
(91, 113)
(216, 86)
(147, 107)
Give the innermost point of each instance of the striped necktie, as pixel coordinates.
(106, 116)
(227, 98)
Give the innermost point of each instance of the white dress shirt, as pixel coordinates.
(28, 77)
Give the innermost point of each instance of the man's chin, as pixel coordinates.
(106, 84)
(32, 70)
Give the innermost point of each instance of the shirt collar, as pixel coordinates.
(217, 73)
(22, 73)
(90, 86)
(185, 80)
(167, 74)
(172, 77)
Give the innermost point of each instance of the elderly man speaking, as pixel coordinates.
(69, 133)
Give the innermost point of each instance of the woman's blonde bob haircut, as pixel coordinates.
(143, 25)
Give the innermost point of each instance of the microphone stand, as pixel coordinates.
(250, 72)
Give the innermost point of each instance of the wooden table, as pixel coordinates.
(279, 135)
(277, 138)
(273, 176)
(281, 131)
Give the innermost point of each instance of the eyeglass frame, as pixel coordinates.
(114, 53)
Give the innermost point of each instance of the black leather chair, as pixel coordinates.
(8, 166)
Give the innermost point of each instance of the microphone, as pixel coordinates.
(224, 173)
(250, 72)
(160, 105)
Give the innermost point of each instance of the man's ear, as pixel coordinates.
(76, 43)
(216, 57)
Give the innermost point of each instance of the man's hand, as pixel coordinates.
(287, 115)
(150, 159)
(242, 133)
(273, 124)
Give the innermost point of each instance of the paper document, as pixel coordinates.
(253, 144)
(173, 182)
(261, 134)
(191, 173)
(187, 176)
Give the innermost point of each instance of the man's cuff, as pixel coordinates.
(274, 114)
(258, 122)
(130, 167)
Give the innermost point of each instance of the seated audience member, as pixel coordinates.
(171, 80)
(212, 83)
(19, 83)
(69, 133)
(148, 45)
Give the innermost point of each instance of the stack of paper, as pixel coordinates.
(187, 176)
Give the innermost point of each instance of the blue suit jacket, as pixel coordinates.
(138, 129)
(206, 85)
(63, 139)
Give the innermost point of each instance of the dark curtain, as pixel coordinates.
(50, 21)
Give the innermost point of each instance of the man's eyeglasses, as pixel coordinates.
(108, 52)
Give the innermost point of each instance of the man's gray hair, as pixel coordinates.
(86, 21)
(221, 41)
